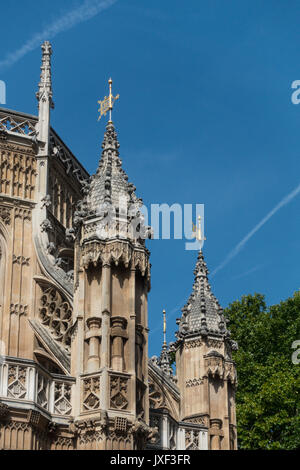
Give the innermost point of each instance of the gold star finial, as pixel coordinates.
(108, 102)
(197, 231)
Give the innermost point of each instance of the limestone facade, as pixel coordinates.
(74, 366)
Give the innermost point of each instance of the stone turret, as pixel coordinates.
(110, 352)
(205, 370)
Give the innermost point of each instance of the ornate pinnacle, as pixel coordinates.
(45, 92)
(164, 359)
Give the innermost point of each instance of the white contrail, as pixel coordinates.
(242, 243)
(246, 273)
(84, 12)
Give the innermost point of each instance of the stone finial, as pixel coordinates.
(45, 92)
(45, 102)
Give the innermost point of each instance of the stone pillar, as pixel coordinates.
(131, 339)
(215, 434)
(180, 439)
(226, 427)
(118, 335)
(105, 343)
(165, 432)
(93, 335)
(145, 351)
(206, 401)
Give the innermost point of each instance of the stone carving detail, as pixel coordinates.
(17, 382)
(213, 343)
(33, 417)
(18, 309)
(4, 410)
(62, 399)
(21, 260)
(120, 424)
(63, 443)
(18, 125)
(3, 135)
(17, 426)
(155, 424)
(214, 364)
(18, 172)
(193, 344)
(46, 226)
(24, 214)
(59, 151)
(116, 252)
(46, 201)
(5, 215)
(118, 393)
(192, 440)
(202, 420)
(230, 372)
(91, 393)
(156, 398)
(56, 315)
(43, 391)
(194, 382)
(88, 431)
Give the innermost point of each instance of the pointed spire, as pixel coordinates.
(164, 358)
(202, 313)
(45, 92)
(44, 97)
(110, 183)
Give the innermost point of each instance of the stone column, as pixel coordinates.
(165, 432)
(93, 335)
(226, 427)
(206, 401)
(131, 340)
(105, 343)
(118, 335)
(145, 352)
(215, 434)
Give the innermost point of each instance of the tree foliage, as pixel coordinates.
(268, 393)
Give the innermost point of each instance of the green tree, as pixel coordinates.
(268, 393)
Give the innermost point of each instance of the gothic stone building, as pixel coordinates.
(74, 367)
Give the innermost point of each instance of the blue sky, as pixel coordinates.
(204, 116)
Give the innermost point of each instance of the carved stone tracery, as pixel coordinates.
(118, 392)
(62, 399)
(91, 393)
(156, 398)
(17, 382)
(192, 439)
(56, 315)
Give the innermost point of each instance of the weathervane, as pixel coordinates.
(197, 232)
(108, 102)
